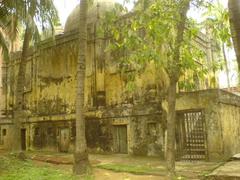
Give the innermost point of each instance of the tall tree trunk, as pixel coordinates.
(234, 14)
(170, 154)
(81, 162)
(174, 74)
(226, 64)
(19, 100)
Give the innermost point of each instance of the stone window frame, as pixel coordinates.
(148, 128)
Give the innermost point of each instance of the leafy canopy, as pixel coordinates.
(148, 33)
(16, 15)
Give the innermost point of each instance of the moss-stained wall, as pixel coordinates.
(230, 119)
(5, 136)
(229, 113)
(47, 135)
(56, 79)
(51, 78)
(1, 86)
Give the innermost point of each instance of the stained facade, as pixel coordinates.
(117, 121)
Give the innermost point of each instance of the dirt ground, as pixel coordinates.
(190, 170)
(109, 175)
(102, 174)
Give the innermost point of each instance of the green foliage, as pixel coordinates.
(217, 21)
(15, 15)
(149, 35)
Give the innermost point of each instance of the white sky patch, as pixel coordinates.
(65, 7)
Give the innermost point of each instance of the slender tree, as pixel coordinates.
(81, 162)
(174, 74)
(234, 13)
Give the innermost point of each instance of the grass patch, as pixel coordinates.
(12, 169)
(134, 169)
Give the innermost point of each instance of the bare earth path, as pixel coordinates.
(109, 175)
(63, 161)
(102, 174)
(190, 170)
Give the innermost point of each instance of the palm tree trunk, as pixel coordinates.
(226, 64)
(234, 14)
(81, 162)
(19, 100)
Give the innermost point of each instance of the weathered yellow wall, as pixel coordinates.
(230, 119)
(56, 79)
(5, 140)
(1, 87)
(50, 80)
(51, 77)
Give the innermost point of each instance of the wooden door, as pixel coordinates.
(120, 139)
(23, 139)
(64, 139)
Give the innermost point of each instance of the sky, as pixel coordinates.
(65, 7)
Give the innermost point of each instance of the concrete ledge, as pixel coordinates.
(229, 171)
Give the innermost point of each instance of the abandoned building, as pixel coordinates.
(117, 121)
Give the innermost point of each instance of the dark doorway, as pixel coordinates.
(120, 139)
(64, 139)
(23, 139)
(191, 135)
